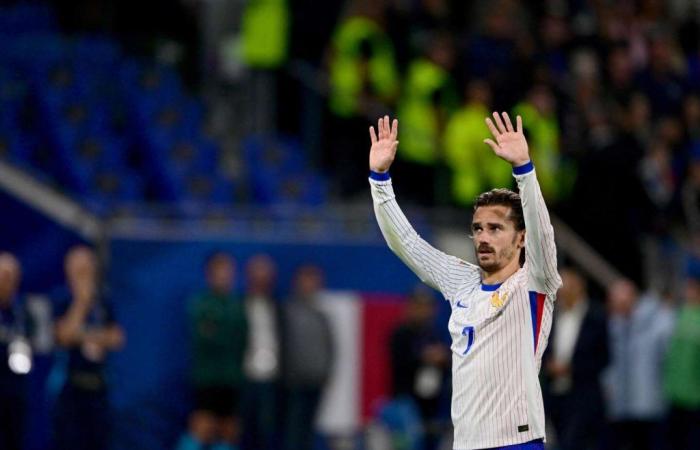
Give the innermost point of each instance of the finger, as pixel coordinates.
(372, 135)
(519, 124)
(509, 124)
(492, 127)
(380, 128)
(491, 144)
(499, 122)
(387, 126)
(395, 130)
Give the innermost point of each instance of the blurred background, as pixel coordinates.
(188, 253)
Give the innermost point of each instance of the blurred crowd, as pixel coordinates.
(620, 373)
(259, 365)
(608, 92)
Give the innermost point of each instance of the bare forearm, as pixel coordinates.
(110, 337)
(70, 328)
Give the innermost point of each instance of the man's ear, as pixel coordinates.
(521, 242)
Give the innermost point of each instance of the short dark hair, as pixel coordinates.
(504, 197)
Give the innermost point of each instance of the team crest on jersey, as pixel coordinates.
(498, 300)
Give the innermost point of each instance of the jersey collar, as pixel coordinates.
(490, 287)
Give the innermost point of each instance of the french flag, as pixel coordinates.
(362, 325)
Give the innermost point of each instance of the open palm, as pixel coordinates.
(383, 149)
(510, 143)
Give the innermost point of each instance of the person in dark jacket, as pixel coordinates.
(87, 331)
(307, 357)
(420, 361)
(14, 364)
(573, 363)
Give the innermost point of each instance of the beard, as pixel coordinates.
(500, 259)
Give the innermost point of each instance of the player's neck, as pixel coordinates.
(502, 274)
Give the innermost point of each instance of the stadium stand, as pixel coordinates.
(112, 130)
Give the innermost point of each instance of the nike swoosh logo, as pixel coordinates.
(460, 305)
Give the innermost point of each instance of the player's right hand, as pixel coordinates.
(383, 149)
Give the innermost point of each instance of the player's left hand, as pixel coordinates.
(510, 143)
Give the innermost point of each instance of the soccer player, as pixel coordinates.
(501, 308)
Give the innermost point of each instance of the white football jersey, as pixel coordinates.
(499, 332)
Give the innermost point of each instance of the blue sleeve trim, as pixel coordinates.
(378, 176)
(525, 168)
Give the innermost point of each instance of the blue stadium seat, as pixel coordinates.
(278, 172)
(95, 133)
(273, 155)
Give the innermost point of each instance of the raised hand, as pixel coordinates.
(510, 144)
(383, 149)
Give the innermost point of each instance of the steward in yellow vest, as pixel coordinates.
(540, 122)
(265, 30)
(428, 98)
(362, 64)
(474, 169)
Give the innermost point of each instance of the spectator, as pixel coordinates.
(573, 364)
(474, 169)
(362, 64)
(420, 362)
(662, 81)
(492, 53)
(640, 327)
(428, 99)
(539, 119)
(362, 70)
(614, 167)
(656, 173)
(219, 334)
(554, 37)
(584, 116)
(262, 359)
(13, 338)
(620, 72)
(691, 193)
(307, 351)
(682, 374)
(691, 118)
(87, 330)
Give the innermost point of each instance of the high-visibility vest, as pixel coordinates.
(474, 166)
(264, 31)
(543, 143)
(419, 134)
(346, 71)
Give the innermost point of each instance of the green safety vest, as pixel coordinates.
(264, 30)
(419, 134)
(543, 143)
(682, 367)
(475, 168)
(346, 71)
